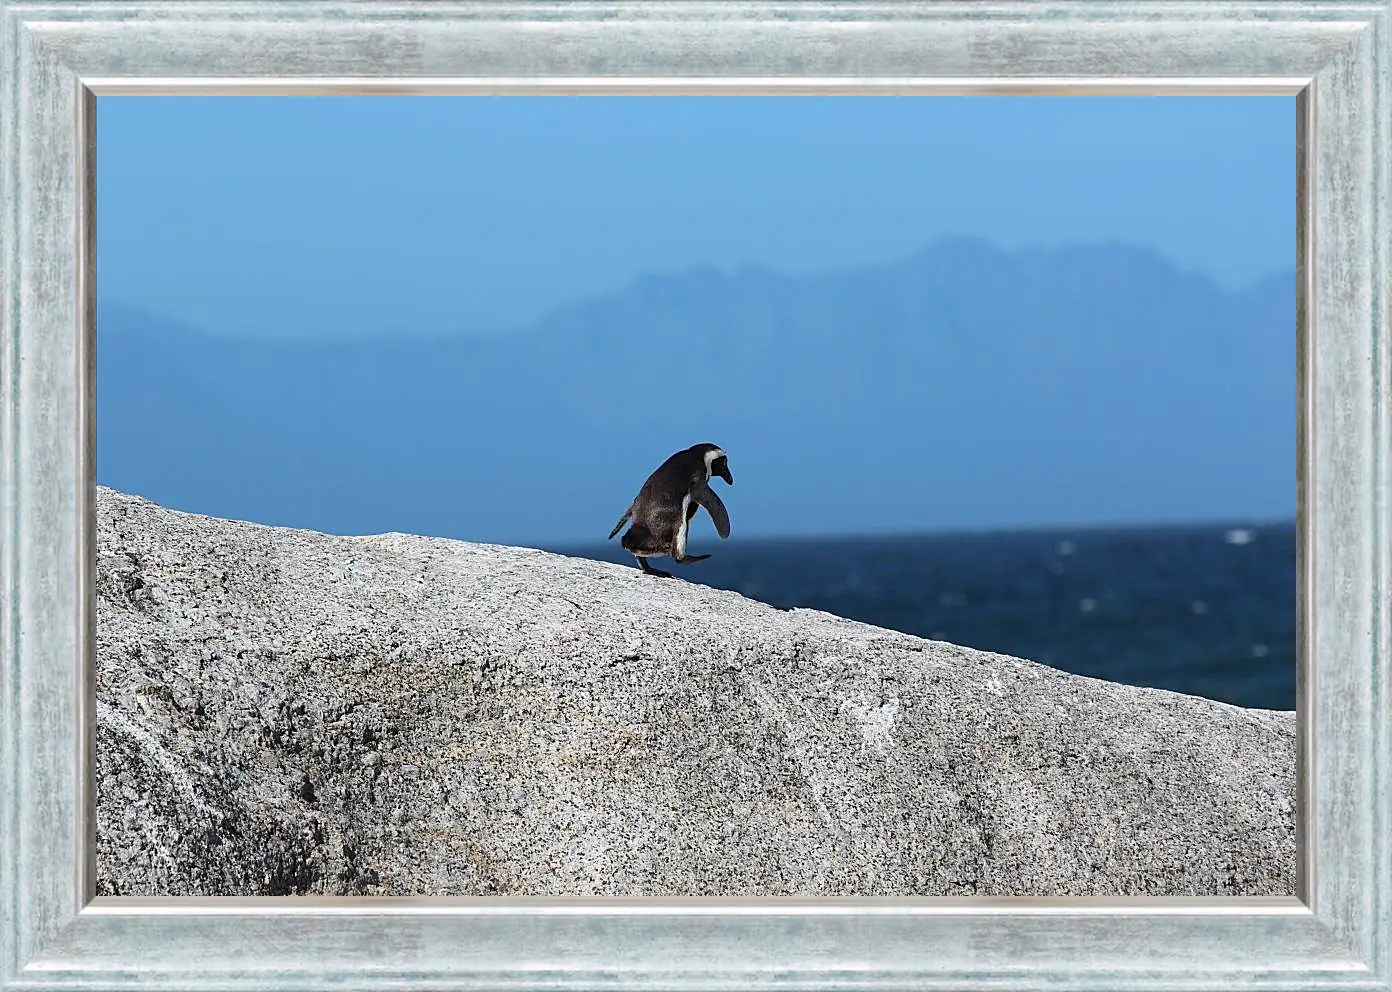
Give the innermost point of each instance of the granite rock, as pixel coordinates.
(281, 711)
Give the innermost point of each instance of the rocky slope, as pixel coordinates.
(282, 711)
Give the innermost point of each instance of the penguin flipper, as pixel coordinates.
(708, 498)
(619, 526)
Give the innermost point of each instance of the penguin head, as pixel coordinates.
(717, 464)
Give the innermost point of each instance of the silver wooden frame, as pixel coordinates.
(57, 56)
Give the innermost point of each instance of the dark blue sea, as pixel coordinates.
(1207, 610)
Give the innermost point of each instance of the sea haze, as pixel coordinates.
(960, 387)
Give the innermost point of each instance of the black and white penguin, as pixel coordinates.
(663, 508)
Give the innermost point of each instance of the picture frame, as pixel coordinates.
(59, 56)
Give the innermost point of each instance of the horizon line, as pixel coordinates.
(990, 530)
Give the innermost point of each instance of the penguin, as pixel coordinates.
(663, 508)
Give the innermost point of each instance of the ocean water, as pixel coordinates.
(1207, 610)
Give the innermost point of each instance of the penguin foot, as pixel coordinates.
(643, 564)
(690, 558)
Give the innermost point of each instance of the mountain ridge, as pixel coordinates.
(963, 386)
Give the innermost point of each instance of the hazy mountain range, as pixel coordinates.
(961, 387)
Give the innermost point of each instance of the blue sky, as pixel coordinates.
(350, 216)
(1092, 384)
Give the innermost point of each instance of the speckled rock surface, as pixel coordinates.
(282, 711)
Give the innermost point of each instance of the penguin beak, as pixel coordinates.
(725, 474)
